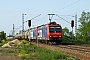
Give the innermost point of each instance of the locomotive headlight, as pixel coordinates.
(50, 36)
(59, 36)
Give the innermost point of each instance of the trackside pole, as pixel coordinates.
(29, 24)
(72, 25)
(72, 34)
(29, 37)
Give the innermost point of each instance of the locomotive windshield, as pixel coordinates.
(55, 29)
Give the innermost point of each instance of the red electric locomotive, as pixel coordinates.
(51, 32)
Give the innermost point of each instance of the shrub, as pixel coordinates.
(24, 41)
(3, 41)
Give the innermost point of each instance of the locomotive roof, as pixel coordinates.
(47, 24)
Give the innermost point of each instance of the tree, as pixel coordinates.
(65, 33)
(83, 33)
(2, 35)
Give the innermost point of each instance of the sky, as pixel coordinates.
(11, 12)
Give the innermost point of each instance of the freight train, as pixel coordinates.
(51, 32)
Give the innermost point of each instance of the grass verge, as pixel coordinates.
(27, 51)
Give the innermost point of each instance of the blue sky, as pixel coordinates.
(11, 12)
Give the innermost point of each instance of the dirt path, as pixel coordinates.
(9, 58)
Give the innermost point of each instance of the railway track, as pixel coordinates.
(78, 51)
(76, 47)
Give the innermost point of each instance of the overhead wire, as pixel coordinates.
(68, 5)
(63, 19)
(63, 8)
(40, 18)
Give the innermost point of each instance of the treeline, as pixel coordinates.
(83, 31)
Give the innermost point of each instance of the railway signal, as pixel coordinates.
(72, 23)
(29, 23)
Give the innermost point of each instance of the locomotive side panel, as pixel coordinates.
(32, 34)
(40, 33)
(44, 33)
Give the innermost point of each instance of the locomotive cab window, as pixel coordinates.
(54, 28)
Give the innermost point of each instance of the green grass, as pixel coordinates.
(32, 52)
(27, 51)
